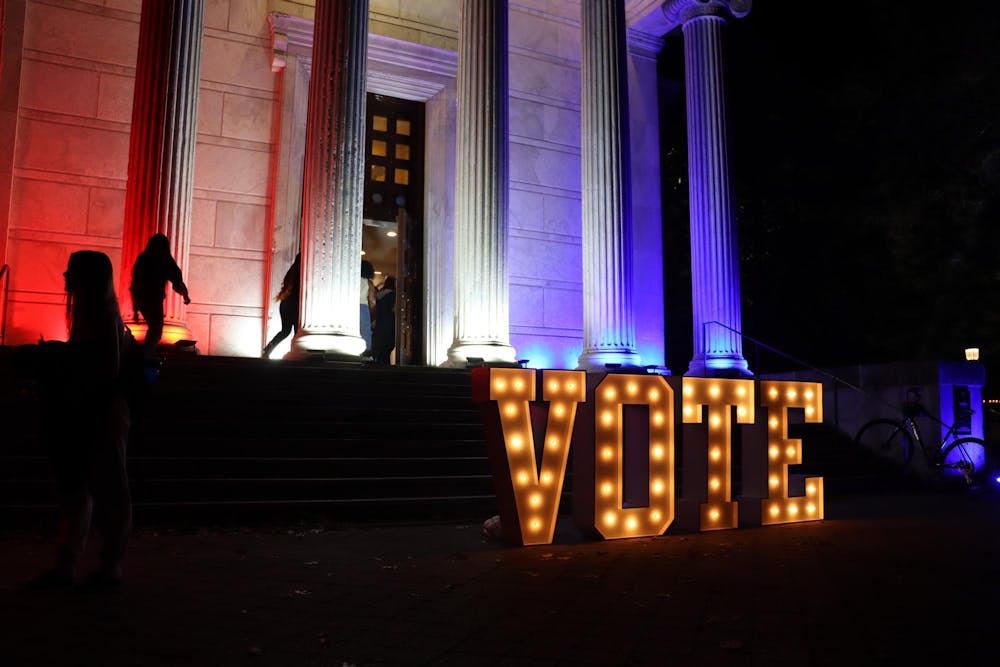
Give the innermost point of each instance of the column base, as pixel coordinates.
(176, 336)
(601, 361)
(722, 366)
(460, 354)
(308, 345)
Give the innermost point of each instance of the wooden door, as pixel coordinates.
(409, 285)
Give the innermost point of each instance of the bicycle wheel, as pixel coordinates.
(888, 440)
(971, 462)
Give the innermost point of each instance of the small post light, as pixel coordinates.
(972, 354)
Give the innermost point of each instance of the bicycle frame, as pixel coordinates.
(963, 464)
(935, 459)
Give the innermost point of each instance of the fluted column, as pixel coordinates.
(608, 325)
(482, 327)
(3, 29)
(715, 276)
(162, 146)
(333, 183)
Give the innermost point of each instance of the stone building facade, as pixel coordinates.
(68, 85)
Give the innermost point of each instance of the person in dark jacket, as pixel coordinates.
(153, 268)
(384, 333)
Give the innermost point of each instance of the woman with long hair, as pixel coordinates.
(86, 419)
(288, 298)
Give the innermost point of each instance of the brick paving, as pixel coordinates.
(884, 579)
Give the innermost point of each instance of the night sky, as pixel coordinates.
(865, 149)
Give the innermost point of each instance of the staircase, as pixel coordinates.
(237, 439)
(229, 439)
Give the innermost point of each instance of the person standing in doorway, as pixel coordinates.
(150, 273)
(384, 334)
(366, 304)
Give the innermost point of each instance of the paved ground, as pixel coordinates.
(883, 580)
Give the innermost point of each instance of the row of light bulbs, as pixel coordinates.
(536, 492)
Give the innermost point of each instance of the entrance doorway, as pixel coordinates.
(392, 236)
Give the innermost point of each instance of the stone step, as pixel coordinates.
(290, 489)
(38, 467)
(236, 437)
(273, 488)
(223, 434)
(346, 510)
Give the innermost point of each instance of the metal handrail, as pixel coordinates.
(831, 376)
(899, 408)
(875, 399)
(5, 277)
(786, 356)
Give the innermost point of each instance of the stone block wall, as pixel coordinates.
(69, 151)
(545, 233)
(546, 243)
(69, 158)
(67, 116)
(233, 166)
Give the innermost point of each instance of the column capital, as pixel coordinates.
(289, 34)
(679, 12)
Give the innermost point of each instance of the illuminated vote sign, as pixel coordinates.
(625, 430)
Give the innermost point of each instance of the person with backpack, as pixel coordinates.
(153, 268)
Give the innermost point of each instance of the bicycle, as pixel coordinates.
(965, 459)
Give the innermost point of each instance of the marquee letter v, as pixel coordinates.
(535, 492)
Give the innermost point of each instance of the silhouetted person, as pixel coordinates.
(85, 423)
(288, 296)
(153, 268)
(366, 303)
(384, 333)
